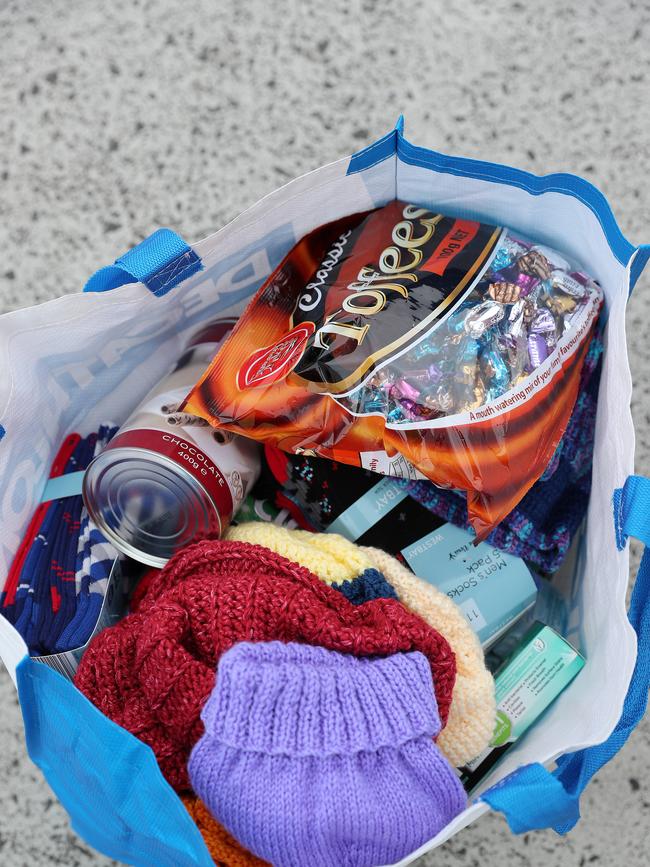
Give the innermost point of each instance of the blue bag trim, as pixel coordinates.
(161, 262)
(617, 508)
(108, 781)
(639, 263)
(375, 153)
(632, 511)
(533, 797)
(394, 143)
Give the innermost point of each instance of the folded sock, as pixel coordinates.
(94, 561)
(312, 757)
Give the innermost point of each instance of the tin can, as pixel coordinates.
(167, 477)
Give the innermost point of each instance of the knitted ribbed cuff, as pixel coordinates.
(298, 700)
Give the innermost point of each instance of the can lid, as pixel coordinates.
(147, 505)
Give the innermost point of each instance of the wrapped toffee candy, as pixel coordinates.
(412, 344)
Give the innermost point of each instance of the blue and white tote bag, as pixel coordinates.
(85, 357)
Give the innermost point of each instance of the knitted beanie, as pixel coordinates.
(152, 672)
(321, 553)
(224, 849)
(472, 713)
(473, 709)
(332, 557)
(317, 758)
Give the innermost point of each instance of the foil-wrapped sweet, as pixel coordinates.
(490, 342)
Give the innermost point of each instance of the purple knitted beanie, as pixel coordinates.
(312, 757)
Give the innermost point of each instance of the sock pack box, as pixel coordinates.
(492, 588)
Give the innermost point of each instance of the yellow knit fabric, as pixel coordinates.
(222, 846)
(473, 708)
(331, 557)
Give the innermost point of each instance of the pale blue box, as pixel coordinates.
(492, 589)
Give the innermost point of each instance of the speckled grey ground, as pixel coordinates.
(117, 118)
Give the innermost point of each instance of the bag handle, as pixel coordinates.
(532, 797)
(161, 261)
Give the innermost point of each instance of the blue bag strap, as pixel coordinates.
(532, 797)
(161, 261)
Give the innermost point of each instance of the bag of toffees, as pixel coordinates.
(412, 344)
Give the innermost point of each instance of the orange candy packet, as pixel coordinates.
(413, 344)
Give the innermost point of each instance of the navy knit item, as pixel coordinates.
(371, 584)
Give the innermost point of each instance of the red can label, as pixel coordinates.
(187, 454)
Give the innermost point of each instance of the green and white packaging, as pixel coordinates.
(538, 671)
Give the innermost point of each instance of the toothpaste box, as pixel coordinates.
(492, 588)
(540, 669)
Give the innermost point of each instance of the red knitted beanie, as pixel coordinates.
(153, 671)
